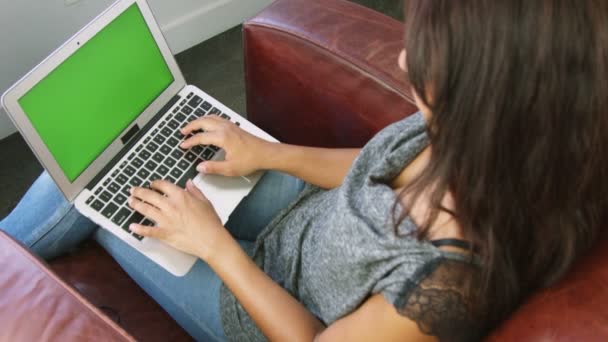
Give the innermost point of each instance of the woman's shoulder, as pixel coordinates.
(441, 303)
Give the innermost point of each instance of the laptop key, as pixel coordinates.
(169, 162)
(152, 147)
(177, 154)
(135, 218)
(183, 164)
(135, 181)
(190, 95)
(107, 181)
(208, 154)
(166, 132)
(176, 173)
(150, 165)
(109, 210)
(191, 118)
(97, 205)
(155, 176)
(122, 179)
(114, 188)
(172, 142)
(170, 179)
(191, 157)
(159, 139)
(195, 101)
(137, 162)
(197, 149)
(121, 216)
(147, 222)
(98, 190)
(165, 150)
(90, 199)
(129, 171)
(180, 117)
(126, 190)
(105, 196)
(178, 135)
(162, 170)
(115, 172)
(186, 110)
(120, 198)
(137, 236)
(131, 156)
(173, 124)
(144, 154)
(189, 174)
(206, 105)
(158, 157)
(225, 116)
(199, 112)
(143, 173)
(215, 111)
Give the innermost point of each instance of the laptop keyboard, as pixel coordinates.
(156, 156)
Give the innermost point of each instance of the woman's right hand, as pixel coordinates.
(244, 151)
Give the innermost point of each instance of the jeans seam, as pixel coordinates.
(51, 227)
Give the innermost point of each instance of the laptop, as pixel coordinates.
(102, 114)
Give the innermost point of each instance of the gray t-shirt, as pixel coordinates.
(332, 249)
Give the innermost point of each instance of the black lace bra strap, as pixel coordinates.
(452, 242)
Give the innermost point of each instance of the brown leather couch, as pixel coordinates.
(324, 73)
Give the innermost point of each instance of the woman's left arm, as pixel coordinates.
(187, 221)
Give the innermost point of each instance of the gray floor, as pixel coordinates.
(216, 66)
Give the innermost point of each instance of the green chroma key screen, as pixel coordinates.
(88, 100)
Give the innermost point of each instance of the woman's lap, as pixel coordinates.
(50, 226)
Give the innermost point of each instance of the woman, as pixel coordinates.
(436, 229)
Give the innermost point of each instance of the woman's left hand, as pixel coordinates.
(184, 218)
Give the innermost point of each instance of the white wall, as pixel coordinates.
(32, 29)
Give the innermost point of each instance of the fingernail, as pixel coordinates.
(200, 168)
(131, 191)
(132, 226)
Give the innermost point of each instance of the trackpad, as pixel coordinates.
(225, 193)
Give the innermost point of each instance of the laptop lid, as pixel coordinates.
(74, 107)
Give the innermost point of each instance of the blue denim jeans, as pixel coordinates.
(50, 226)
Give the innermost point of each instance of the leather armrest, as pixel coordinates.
(35, 305)
(574, 309)
(324, 72)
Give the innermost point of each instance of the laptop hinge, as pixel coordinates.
(132, 136)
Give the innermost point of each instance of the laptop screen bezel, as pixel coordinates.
(23, 124)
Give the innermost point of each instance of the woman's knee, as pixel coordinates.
(45, 221)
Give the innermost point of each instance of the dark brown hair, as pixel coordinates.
(519, 132)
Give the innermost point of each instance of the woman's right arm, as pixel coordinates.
(246, 153)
